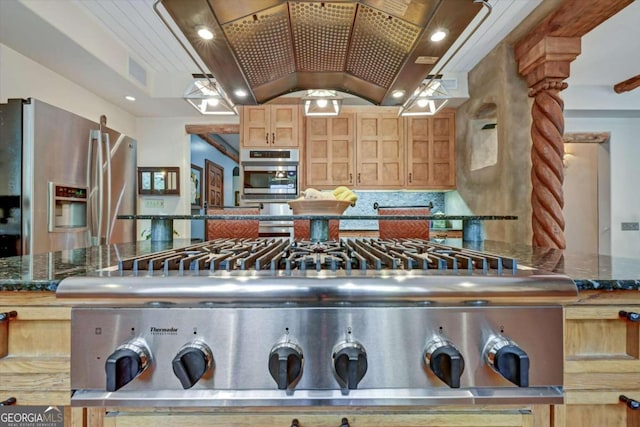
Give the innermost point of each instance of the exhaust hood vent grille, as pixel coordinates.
(262, 45)
(380, 44)
(321, 35)
(369, 48)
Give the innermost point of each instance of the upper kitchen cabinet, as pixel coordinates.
(270, 126)
(329, 151)
(431, 151)
(379, 151)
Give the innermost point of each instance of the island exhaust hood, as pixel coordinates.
(368, 48)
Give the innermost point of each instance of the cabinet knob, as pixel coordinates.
(359, 178)
(350, 178)
(273, 137)
(630, 315)
(410, 177)
(631, 404)
(344, 422)
(10, 401)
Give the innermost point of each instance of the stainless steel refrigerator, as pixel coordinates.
(63, 180)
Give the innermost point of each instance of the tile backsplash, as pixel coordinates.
(366, 199)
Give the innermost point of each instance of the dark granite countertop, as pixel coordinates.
(44, 271)
(345, 217)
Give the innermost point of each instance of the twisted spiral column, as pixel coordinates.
(547, 173)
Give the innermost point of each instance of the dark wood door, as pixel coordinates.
(214, 184)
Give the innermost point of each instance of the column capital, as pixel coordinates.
(548, 60)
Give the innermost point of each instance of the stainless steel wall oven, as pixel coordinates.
(269, 175)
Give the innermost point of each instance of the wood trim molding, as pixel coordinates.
(204, 129)
(589, 137)
(627, 85)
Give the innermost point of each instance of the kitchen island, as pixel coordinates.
(473, 225)
(602, 354)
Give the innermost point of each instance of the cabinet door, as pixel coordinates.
(284, 126)
(256, 130)
(379, 151)
(431, 151)
(270, 126)
(602, 362)
(329, 151)
(601, 408)
(602, 349)
(36, 369)
(266, 417)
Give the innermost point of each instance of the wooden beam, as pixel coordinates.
(628, 85)
(219, 129)
(574, 18)
(586, 137)
(215, 144)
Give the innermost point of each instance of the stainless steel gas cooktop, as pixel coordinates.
(364, 322)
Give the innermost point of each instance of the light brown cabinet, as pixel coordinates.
(264, 417)
(431, 151)
(270, 126)
(330, 154)
(373, 148)
(602, 362)
(380, 161)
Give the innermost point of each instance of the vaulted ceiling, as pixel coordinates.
(120, 47)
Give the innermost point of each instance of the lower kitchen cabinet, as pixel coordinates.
(602, 363)
(35, 370)
(440, 417)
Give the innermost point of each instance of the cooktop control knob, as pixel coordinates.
(350, 363)
(192, 362)
(444, 360)
(285, 363)
(127, 362)
(508, 359)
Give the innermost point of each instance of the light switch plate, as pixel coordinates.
(630, 226)
(154, 203)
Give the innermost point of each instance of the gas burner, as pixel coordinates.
(280, 254)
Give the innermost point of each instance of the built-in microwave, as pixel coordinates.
(269, 175)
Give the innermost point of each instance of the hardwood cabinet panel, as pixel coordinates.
(431, 151)
(36, 368)
(380, 159)
(599, 409)
(443, 418)
(270, 126)
(602, 362)
(329, 151)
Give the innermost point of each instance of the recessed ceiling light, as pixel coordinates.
(240, 93)
(438, 35)
(397, 93)
(130, 98)
(205, 33)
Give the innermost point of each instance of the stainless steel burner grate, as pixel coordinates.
(277, 254)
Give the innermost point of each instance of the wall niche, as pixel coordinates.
(483, 129)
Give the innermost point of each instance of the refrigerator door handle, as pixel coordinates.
(108, 211)
(94, 176)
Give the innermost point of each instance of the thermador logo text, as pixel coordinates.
(164, 331)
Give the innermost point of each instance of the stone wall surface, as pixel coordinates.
(502, 186)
